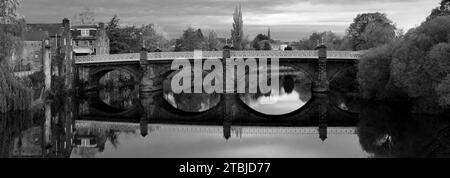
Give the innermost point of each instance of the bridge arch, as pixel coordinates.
(307, 70)
(340, 71)
(97, 73)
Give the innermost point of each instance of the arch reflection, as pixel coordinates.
(294, 93)
(189, 102)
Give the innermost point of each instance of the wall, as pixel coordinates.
(31, 55)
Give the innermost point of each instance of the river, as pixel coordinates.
(121, 122)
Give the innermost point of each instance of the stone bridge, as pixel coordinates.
(150, 69)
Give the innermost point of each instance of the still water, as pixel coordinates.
(121, 122)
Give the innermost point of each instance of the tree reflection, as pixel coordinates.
(190, 102)
(288, 84)
(119, 97)
(391, 131)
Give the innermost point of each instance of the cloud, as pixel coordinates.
(175, 15)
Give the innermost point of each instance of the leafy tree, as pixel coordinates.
(259, 42)
(377, 34)
(191, 40)
(130, 38)
(416, 66)
(330, 39)
(237, 33)
(11, 29)
(267, 45)
(116, 36)
(444, 93)
(368, 30)
(8, 9)
(153, 39)
(442, 10)
(256, 45)
(212, 43)
(14, 95)
(374, 73)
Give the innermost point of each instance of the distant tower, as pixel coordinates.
(268, 34)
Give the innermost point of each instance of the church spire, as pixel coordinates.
(268, 34)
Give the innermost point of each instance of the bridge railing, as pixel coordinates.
(184, 55)
(344, 54)
(107, 58)
(305, 54)
(274, 54)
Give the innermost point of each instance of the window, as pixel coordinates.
(84, 32)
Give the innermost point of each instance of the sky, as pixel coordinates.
(289, 20)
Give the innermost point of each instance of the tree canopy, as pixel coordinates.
(131, 38)
(369, 30)
(442, 10)
(191, 40)
(330, 39)
(261, 42)
(416, 66)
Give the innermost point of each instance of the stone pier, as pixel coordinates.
(321, 82)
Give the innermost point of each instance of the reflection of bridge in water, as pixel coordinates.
(319, 116)
(211, 130)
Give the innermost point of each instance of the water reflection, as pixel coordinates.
(390, 131)
(77, 128)
(119, 97)
(192, 102)
(294, 93)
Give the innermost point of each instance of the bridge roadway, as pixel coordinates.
(164, 56)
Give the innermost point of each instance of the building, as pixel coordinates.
(90, 40)
(54, 45)
(43, 42)
(32, 57)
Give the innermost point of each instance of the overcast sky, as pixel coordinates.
(289, 20)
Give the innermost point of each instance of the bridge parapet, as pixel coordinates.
(294, 54)
(310, 54)
(344, 54)
(107, 58)
(184, 55)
